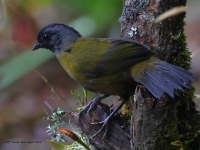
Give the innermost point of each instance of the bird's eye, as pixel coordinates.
(45, 36)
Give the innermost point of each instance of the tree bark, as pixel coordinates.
(156, 124)
(113, 138)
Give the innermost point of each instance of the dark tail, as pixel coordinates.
(165, 78)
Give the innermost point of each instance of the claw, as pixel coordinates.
(101, 122)
(91, 106)
(94, 103)
(107, 120)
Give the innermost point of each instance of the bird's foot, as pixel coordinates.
(87, 113)
(92, 105)
(107, 120)
(104, 124)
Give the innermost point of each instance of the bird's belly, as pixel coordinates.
(118, 83)
(112, 85)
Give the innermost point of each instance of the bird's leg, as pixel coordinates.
(94, 102)
(107, 120)
(90, 106)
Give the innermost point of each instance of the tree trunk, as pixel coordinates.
(156, 124)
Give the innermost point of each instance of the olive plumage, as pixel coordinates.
(112, 66)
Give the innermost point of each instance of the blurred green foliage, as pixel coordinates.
(18, 66)
(104, 12)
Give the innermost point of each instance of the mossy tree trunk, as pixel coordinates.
(156, 124)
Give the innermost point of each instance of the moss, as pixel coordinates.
(189, 120)
(182, 57)
(171, 133)
(188, 116)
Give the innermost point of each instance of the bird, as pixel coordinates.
(112, 66)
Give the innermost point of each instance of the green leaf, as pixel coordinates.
(17, 67)
(72, 146)
(58, 145)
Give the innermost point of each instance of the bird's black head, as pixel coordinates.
(56, 37)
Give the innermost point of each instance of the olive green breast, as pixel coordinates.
(113, 84)
(83, 57)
